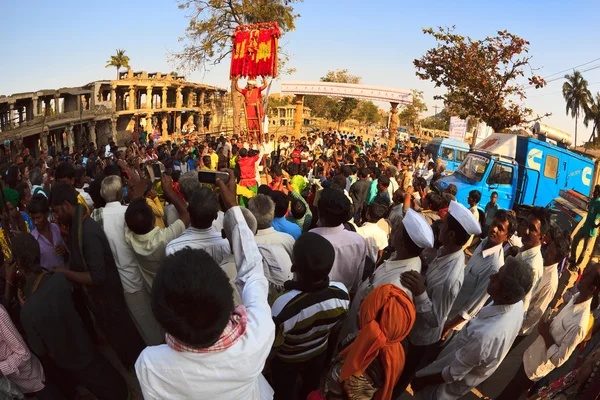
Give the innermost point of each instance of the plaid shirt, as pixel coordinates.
(233, 331)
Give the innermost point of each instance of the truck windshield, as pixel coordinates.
(566, 219)
(473, 167)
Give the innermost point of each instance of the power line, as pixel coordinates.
(572, 68)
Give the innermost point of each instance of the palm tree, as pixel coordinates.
(592, 114)
(119, 60)
(576, 93)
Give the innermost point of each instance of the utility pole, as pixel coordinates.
(435, 107)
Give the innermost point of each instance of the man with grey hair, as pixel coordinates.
(275, 247)
(263, 209)
(477, 351)
(112, 219)
(37, 179)
(188, 185)
(391, 171)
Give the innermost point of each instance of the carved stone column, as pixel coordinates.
(57, 105)
(92, 130)
(202, 98)
(131, 98)
(394, 121)
(149, 124)
(11, 112)
(148, 97)
(165, 128)
(163, 98)
(113, 96)
(178, 97)
(44, 139)
(34, 106)
(178, 123)
(190, 99)
(298, 120)
(113, 129)
(70, 137)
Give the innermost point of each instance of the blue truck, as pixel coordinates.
(451, 151)
(522, 170)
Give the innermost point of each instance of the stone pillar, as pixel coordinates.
(44, 139)
(190, 102)
(202, 93)
(163, 98)
(57, 105)
(131, 98)
(70, 137)
(113, 129)
(393, 128)
(164, 126)
(299, 100)
(34, 106)
(149, 124)
(113, 96)
(178, 122)
(178, 97)
(148, 97)
(11, 121)
(92, 130)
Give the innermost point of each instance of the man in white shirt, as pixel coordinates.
(411, 235)
(222, 358)
(112, 219)
(428, 174)
(485, 261)
(531, 231)
(477, 351)
(391, 171)
(275, 247)
(350, 248)
(203, 209)
(556, 251)
(377, 238)
(558, 339)
(434, 293)
(147, 241)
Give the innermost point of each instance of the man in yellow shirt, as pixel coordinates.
(214, 159)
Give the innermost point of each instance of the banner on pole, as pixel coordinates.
(254, 51)
(458, 128)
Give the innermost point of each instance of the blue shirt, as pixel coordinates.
(285, 226)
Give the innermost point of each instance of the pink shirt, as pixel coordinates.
(16, 361)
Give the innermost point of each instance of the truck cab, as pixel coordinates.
(486, 173)
(451, 151)
(522, 170)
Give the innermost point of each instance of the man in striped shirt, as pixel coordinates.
(304, 315)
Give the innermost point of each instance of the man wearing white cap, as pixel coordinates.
(411, 235)
(485, 261)
(435, 292)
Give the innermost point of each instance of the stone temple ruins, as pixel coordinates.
(101, 111)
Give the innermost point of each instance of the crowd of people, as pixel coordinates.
(319, 267)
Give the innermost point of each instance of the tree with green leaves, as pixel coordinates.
(367, 113)
(118, 61)
(337, 109)
(592, 114)
(481, 76)
(208, 36)
(577, 95)
(410, 113)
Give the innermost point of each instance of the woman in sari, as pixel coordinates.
(371, 365)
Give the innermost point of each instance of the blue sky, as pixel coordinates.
(66, 43)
